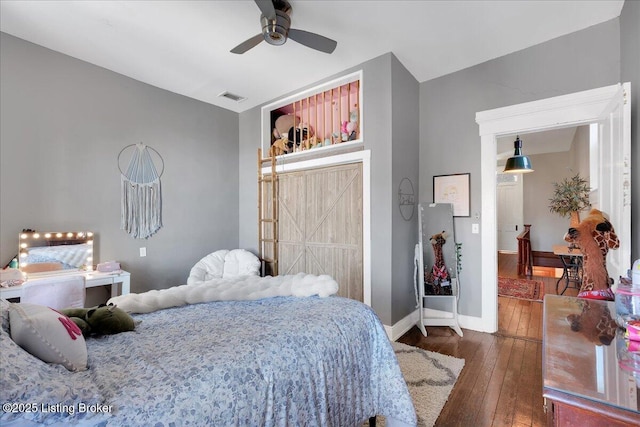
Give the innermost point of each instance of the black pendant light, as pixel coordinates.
(519, 163)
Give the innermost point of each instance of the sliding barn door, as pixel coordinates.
(320, 225)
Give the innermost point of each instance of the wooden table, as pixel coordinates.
(583, 382)
(572, 267)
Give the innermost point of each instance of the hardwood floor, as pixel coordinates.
(501, 383)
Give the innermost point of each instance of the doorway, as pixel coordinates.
(509, 210)
(555, 155)
(608, 106)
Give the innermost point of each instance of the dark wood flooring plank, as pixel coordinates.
(487, 411)
(512, 326)
(505, 407)
(442, 339)
(525, 393)
(539, 417)
(525, 318)
(535, 321)
(466, 394)
(506, 308)
(481, 377)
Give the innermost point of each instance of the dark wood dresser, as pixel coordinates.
(587, 380)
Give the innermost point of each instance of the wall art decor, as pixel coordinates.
(141, 207)
(453, 189)
(406, 199)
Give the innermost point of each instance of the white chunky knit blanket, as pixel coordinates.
(225, 289)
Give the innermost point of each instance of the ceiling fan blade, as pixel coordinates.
(313, 40)
(248, 44)
(267, 9)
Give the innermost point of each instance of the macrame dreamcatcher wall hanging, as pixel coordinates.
(141, 204)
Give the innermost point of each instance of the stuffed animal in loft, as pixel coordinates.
(283, 124)
(438, 280)
(279, 146)
(594, 322)
(289, 134)
(348, 130)
(280, 142)
(302, 135)
(594, 236)
(100, 320)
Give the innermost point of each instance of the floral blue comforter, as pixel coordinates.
(272, 362)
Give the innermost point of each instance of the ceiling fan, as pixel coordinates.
(276, 29)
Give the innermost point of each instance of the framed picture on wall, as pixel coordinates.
(453, 189)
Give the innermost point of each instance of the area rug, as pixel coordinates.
(521, 288)
(430, 377)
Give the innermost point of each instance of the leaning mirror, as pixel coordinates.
(437, 262)
(55, 251)
(438, 244)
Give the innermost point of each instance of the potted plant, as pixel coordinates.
(570, 197)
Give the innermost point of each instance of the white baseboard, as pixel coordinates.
(400, 328)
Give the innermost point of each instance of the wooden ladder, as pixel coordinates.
(268, 217)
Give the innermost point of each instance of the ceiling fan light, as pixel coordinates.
(519, 163)
(275, 39)
(275, 31)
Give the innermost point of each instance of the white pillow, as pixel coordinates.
(49, 335)
(239, 262)
(209, 267)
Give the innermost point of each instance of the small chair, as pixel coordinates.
(55, 292)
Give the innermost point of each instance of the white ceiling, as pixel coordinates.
(183, 46)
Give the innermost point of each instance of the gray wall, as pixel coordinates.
(63, 123)
(547, 229)
(630, 72)
(449, 141)
(405, 164)
(392, 242)
(377, 110)
(250, 140)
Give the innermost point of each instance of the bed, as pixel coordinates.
(272, 361)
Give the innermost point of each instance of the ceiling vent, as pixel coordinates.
(232, 96)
